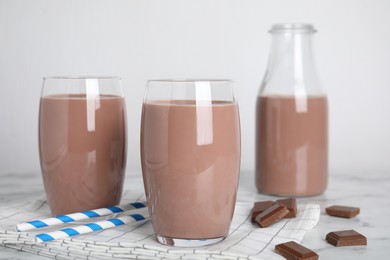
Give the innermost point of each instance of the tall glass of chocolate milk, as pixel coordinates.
(292, 118)
(82, 142)
(190, 153)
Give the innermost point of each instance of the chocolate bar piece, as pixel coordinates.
(259, 207)
(342, 211)
(294, 251)
(271, 215)
(346, 238)
(291, 205)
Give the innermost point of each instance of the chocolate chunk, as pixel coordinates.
(271, 215)
(291, 205)
(342, 211)
(259, 207)
(294, 251)
(346, 238)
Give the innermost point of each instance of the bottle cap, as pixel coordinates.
(292, 28)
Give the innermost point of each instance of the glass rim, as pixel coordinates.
(82, 77)
(189, 80)
(292, 27)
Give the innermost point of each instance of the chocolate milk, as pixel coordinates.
(291, 145)
(82, 145)
(190, 162)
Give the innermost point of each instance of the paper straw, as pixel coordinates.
(91, 227)
(49, 222)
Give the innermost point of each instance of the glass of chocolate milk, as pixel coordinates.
(190, 153)
(292, 118)
(82, 142)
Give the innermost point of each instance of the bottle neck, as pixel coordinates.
(291, 68)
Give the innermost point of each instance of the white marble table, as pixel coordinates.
(368, 190)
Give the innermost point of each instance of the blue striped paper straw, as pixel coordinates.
(48, 222)
(91, 227)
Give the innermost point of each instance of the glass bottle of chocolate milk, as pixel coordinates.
(291, 118)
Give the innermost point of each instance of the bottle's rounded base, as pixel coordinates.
(183, 242)
(291, 194)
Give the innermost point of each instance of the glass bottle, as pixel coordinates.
(291, 118)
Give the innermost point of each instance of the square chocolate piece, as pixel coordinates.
(294, 251)
(259, 207)
(291, 205)
(342, 211)
(346, 238)
(271, 215)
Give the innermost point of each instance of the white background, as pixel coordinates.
(141, 40)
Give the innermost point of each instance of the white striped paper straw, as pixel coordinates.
(48, 222)
(91, 227)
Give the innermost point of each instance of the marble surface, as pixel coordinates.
(367, 190)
